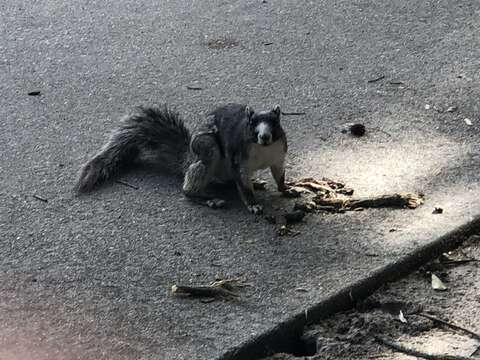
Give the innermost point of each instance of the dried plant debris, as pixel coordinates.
(221, 288)
(222, 43)
(333, 196)
(310, 184)
(397, 200)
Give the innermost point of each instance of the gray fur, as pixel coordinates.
(234, 127)
(233, 143)
(150, 136)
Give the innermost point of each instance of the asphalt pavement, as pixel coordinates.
(89, 277)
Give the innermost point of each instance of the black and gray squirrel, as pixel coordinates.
(234, 142)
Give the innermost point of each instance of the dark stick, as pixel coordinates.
(202, 291)
(398, 347)
(475, 352)
(459, 262)
(453, 326)
(126, 184)
(194, 88)
(38, 197)
(376, 79)
(293, 113)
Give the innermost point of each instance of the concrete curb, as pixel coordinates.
(285, 337)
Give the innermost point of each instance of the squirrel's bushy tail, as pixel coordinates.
(151, 136)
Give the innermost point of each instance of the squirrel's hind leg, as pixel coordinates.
(201, 172)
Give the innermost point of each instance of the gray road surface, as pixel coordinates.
(88, 278)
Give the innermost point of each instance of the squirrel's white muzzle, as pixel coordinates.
(264, 134)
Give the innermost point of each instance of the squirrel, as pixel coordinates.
(233, 143)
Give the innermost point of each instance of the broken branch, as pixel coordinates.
(293, 113)
(412, 352)
(38, 197)
(399, 200)
(450, 325)
(224, 288)
(124, 183)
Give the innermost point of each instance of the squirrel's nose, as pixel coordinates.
(265, 137)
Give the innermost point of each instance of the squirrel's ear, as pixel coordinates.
(248, 112)
(276, 110)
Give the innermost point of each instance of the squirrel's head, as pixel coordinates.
(264, 125)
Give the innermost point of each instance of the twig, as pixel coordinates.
(459, 262)
(475, 352)
(126, 184)
(376, 79)
(203, 291)
(395, 82)
(194, 88)
(38, 197)
(412, 352)
(450, 325)
(293, 113)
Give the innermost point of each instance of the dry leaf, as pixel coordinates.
(402, 318)
(437, 210)
(452, 109)
(437, 284)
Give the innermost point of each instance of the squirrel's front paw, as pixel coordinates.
(255, 209)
